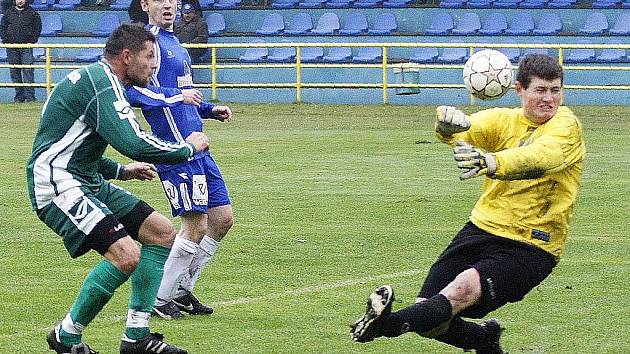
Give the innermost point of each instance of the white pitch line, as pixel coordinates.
(316, 288)
(247, 300)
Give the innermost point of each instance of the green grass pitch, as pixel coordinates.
(330, 202)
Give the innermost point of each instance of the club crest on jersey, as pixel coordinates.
(74, 76)
(80, 210)
(170, 54)
(124, 110)
(186, 80)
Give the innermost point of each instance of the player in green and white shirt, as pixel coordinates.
(67, 179)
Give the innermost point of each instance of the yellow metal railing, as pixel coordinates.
(50, 64)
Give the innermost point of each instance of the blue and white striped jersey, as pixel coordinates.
(162, 102)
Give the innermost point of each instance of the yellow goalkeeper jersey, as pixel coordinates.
(531, 196)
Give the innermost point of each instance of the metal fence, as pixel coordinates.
(217, 63)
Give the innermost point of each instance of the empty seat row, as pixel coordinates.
(495, 23)
(364, 55)
(338, 4)
(52, 25)
(423, 55)
(301, 23)
(522, 23)
(509, 4)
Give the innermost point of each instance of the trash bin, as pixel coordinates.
(407, 73)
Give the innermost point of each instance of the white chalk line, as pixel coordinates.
(248, 300)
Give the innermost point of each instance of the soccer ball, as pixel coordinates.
(488, 74)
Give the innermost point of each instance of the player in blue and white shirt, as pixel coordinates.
(195, 189)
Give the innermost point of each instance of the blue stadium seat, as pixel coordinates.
(327, 24)
(396, 3)
(312, 4)
(338, 55)
(479, 4)
(576, 55)
(625, 4)
(254, 55)
(282, 55)
(51, 25)
(442, 23)
(596, 24)
(206, 4)
(285, 4)
(367, 4)
(453, 4)
(40, 5)
(536, 50)
(301, 23)
(90, 55)
(339, 4)
(312, 54)
(605, 4)
(120, 5)
(495, 23)
(355, 24)
(522, 24)
(3, 55)
(453, 55)
(532, 4)
(39, 53)
(514, 54)
(66, 5)
(227, 4)
(549, 24)
(561, 4)
(622, 25)
(216, 24)
(468, 24)
(368, 55)
(106, 25)
(506, 4)
(384, 23)
(273, 24)
(424, 55)
(611, 55)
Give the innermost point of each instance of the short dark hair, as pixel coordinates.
(538, 65)
(127, 36)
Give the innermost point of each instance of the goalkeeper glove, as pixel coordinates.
(472, 161)
(451, 120)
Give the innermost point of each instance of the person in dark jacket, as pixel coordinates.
(21, 24)
(192, 29)
(136, 14)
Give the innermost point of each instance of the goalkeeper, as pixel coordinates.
(531, 160)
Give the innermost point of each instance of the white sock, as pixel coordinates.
(207, 248)
(71, 327)
(182, 254)
(137, 319)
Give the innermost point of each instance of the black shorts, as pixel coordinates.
(508, 269)
(108, 231)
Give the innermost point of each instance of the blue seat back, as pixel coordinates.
(216, 23)
(355, 22)
(385, 22)
(494, 23)
(328, 23)
(273, 22)
(51, 25)
(596, 23)
(301, 22)
(442, 24)
(622, 24)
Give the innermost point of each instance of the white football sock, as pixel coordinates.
(177, 264)
(207, 248)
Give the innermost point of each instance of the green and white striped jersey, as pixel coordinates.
(86, 112)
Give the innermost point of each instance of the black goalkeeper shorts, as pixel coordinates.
(508, 269)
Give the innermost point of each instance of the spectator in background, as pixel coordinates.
(21, 24)
(136, 14)
(192, 29)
